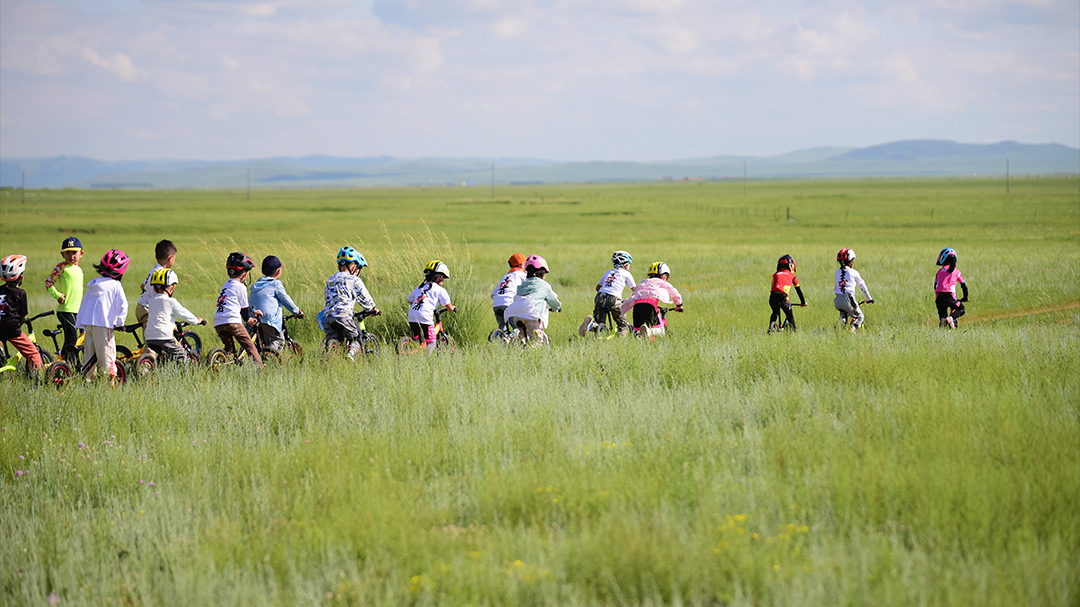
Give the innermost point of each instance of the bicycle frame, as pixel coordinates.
(11, 362)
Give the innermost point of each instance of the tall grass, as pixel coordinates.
(902, 465)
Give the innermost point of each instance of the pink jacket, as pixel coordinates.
(654, 289)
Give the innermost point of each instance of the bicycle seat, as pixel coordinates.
(131, 328)
(48, 333)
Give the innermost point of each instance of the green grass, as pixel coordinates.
(903, 465)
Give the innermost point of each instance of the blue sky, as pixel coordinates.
(558, 79)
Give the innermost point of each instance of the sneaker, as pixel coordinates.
(951, 321)
(586, 326)
(773, 327)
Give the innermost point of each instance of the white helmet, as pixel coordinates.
(621, 258)
(436, 266)
(12, 267)
(658, 268)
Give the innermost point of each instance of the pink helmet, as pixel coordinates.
(536, 262)
(114, 263)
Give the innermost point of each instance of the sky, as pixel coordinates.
(570, 80)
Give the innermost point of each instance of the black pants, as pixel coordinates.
(645, 314)
(944, 302)
(71, 336)
(778, 302)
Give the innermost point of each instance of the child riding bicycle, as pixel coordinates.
(782, 281)
(13, 310)
(162, 313)
(534, 299)
(425, 299)
(269, 297)
(233, 310)
(645, 301)
(503, 293)
(344, 290)
(609, 290)
(949, 308)
(847, 278)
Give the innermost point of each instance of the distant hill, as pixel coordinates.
(899, 158)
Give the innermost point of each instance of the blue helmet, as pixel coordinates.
(350, 255)
(945, 254)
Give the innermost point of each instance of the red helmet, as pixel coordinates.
(786, 260)
(237, 263)
(845, 256)
(114, 263)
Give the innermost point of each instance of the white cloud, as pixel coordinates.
(119, 64)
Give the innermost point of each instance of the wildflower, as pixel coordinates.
(151, 483)
(52, 599)
(82, 446)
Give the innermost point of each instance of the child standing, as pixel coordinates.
(13, 309)
(609, 292)
(269, 297)
(65, 284)
(425, 299)
(104, 306)
(165, 252)
(503, 293)
(847, 278)
(782, 281)
(534, 298)
(164, 311)
(949, 309)
(648, 294)
(233, 310)
(343, 291)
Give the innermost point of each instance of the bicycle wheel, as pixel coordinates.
(496, 336)
(444, 344)
(144, 365)
(46, 360)
(59, 374)
(121, 375)
(407, 345)
(124, 354)
(192, 340)
(370, 344)
(216, 359)
(271, 358)
(601, 331)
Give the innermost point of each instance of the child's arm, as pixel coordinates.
(286, 301)
(181, 313)
(802, 300)
(51, 280)
(963, 285)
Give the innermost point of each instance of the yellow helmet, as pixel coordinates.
(658, 267)
(163, 277)
(436, 266)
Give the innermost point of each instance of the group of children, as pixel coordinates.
(521, 298)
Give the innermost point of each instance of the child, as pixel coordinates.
(65, 284)
(13, 310)
(503, 294)
(269, 297)
(343, 291)
(609, 292)
(847, 278)
(534, 298)
(163, 312)
(649, 293)
(782, 281)
(165, 252)
(104, 306)
(425, 299)
(945, 289)
(233, 309)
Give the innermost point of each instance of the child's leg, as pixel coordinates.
(788, 314)
(774, 304)
(99, 342)
(71, 336)
(620, 321)
(28, 350)
(942, 302)
(142, 313)
(226, 337)
(429, 339)
(244, 338)
(645, 314)
(499, 317)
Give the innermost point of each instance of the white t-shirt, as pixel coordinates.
(846, 281)
(503, 293)
(425, 299)
(164, 312)
(230, 301)
(147, 290)
(615, 280)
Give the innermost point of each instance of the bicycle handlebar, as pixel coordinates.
(42, 315)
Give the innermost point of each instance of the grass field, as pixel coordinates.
(902, 465)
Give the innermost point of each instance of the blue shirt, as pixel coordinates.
(268, 296)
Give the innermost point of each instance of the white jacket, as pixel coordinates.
(103, 305)
(164, 312)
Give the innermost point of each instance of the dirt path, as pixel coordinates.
(1069, 305)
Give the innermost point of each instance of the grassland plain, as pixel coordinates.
(903, 465)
